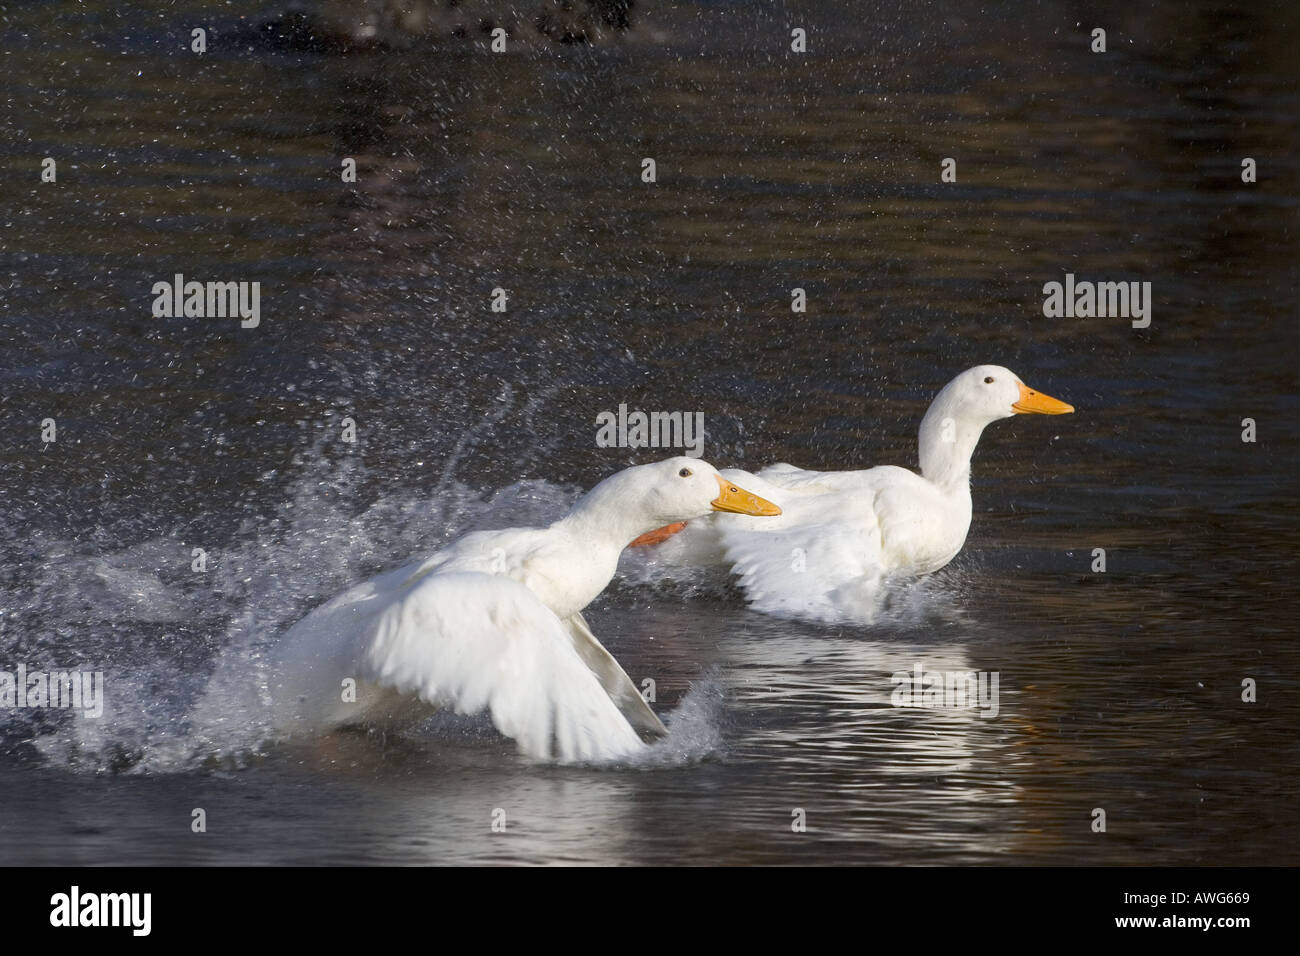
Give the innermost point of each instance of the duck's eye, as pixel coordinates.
(685, 473)
(988, 380)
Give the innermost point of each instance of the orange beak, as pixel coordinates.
(1036, 403)
(657, 536)
(739, 501)
(732, 498)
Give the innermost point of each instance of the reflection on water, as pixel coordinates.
(1119, 690)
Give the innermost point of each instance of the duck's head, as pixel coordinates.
(987, 393)
(644, 498)
(679, 489)
(957, 416)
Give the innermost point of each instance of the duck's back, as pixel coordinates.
(839, 533)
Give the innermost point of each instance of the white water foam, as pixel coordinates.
(160, 719)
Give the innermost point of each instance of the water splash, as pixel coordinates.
(184, 654)
(695, 728)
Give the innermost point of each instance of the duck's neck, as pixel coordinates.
(583, 549)
(946, 442)
(603, 519)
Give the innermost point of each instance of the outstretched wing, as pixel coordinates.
(614, 679)
(468, 642)
(475, 642)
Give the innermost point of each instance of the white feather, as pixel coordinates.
(492, 624)
(841, 532)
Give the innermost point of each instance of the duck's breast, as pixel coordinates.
(922, 527)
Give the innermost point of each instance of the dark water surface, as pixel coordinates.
(1119, 691)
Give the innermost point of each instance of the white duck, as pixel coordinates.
(493, 622)
(840, 531)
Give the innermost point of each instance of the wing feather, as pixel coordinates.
(808, 568)
(468, 642)
(614, 679)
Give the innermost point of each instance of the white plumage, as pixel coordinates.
(841, 532)
(492, 624)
